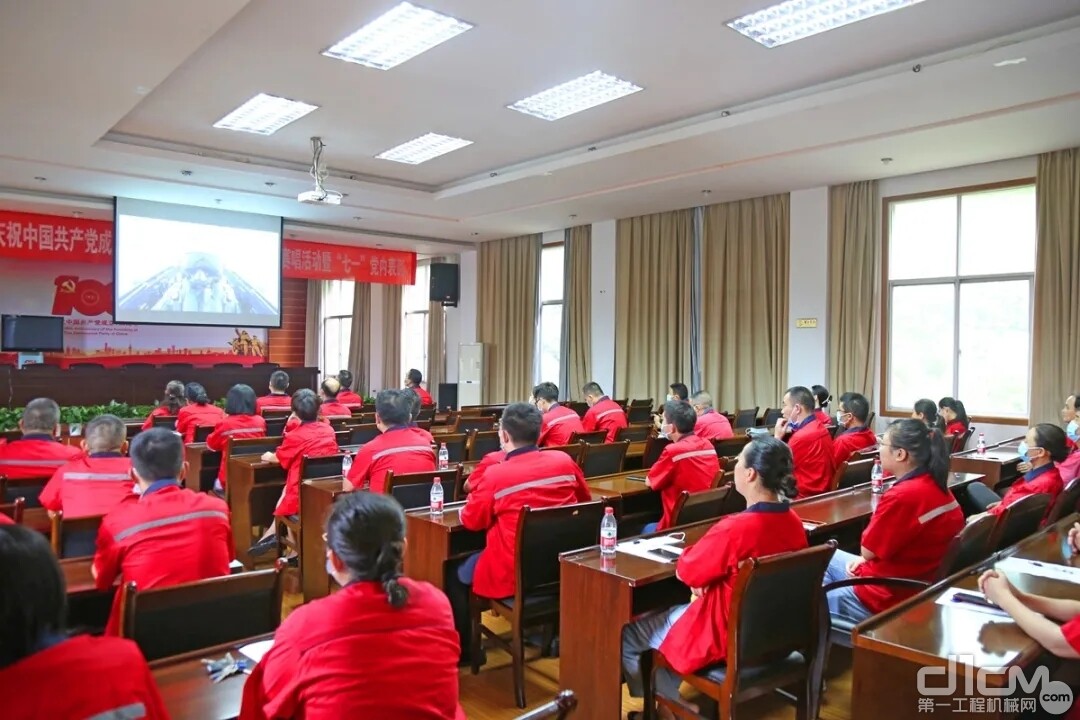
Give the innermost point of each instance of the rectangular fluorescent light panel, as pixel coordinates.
(423, 148)
(571, 97)
(264, 114)
(797, 19)
(397, 35)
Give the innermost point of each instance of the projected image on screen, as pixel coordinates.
(193, 266)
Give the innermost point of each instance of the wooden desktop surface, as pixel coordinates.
(998, 463)
(190, 694)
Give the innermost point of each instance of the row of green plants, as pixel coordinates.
(9, 417)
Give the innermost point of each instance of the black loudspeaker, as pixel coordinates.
(444, 283)
(447, 396)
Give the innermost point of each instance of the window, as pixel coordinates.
(550, 317)
(415, 302)
(337, 314)
(960, 276)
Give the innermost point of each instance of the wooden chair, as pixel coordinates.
(960, 441)
(362, 418)
(970, 546)
(427, 414)
(14, 510)
(579, 407)
(638, 432)
(466, 424)
(237, 447)
(730, 447)
(776, 637)
(1020, 519)
(482, 442)
(178, 366)
(771, 416)
(597, 437)
(703, 505)
(413, 490)
(746, 418)
(11, 435)
(86, 366)
(542, 535)
(27, 488)
(362, 434)
(228, 365)
(274, 412)
(275, 425)
(639, 411)
(188, 617)
(165, 421)
(574, 451)
(852, 473)
(654, 445)
(1066, 503)
(320, 466)
(74, 537)
(202, 432)
(607, 459)
(558, 709)
(456, 445)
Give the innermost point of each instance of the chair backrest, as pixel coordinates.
(852, 473)
(165, 421)
(638, 432)
(188, 617)
(638, 413)
(746, 418)
(482, 442)
(653, 447)
(86, 366)
(579, 407)
(74, 537)
(771, 416)
(704, 505)
(202, 432)
(178, 366)
(647, 403)
(730, 447)
(228, 364)
(27, 488)
(252, 446)
(455, 445)
(362, 418)
(574, 451)
(14, 510)
(597, 437)
(413, 490)
(971, 545)
(361, 434)
(1066, 502)
(543, 534)
(1021, 519)
(320, 466)
(273, 412)
(340, 423)
(12, 435)
(426, 414)
(467, 423)
(275, 425)
(558, 709)
(961, 441)
(597, 460)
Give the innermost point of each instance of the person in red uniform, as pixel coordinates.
(413, 378)
(5, 520)
(559, 422)
(913, 524)
(330, 407)
(953, 413)
(384, 646)
(525, 477)
(688, 463)
(46, 672)
(241, 421)
(822, 398)
(169, 406)
(810, 443)
(199, 412)
(279, 392)
(346, 396)
(401, 447)
(694, 636)
(854, 435)
(94, 483)
(603, 413)
(710, 425)
(1042, 447)
(166, 536)
(1069, 468)
(37, 454)
(676, 391)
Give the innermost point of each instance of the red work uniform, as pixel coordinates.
(1041, 480)
(957, 428)
(82, 677)
(712, 425)
(5, 520)
(347, 397)
(233, 426)
(852, 440)
(812, 451)
(605, 415)
(159, 411)
(90, 485)
(273, 400)
(332, 408)
(558, 424)
(34, 455)
(310, 438)
(352, 655)
(195, 416)
(424, 395)
(526, 477)
(168, 536)
(690, 464)
(699, 637)
(1069, 468)
(914, 522)
(403, 449)
(823, 417)
(477, 475)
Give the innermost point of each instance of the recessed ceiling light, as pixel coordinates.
(1012, 61)
(185, 173)
(265, 114)
(39, 178)
(576, 95)
(794, 20)
(397, 35)
(423, 148)
(357, 217)
(475, 234)
(269, 183)
(706, 192)
(886, 160)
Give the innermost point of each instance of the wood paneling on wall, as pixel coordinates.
(287, 342)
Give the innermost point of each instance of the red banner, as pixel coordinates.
(28, 236)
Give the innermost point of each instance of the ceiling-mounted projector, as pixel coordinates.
(320, 195)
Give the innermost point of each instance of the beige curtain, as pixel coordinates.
(360, 338)
(577, 311)
(1056, 332)
(392, 319)
(506, 315)
(853, 286)
(652, 303)
(436, 350)
(313, 324)
(744, 307)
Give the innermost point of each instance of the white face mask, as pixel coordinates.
(1073, 430)
(669, 397)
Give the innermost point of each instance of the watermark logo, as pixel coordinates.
(1018, 694)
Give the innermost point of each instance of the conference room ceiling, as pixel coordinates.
(119, 97)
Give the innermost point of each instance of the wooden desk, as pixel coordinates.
(88, 607)
(203, 466)
(253, 489)
(890, 648)
(316, 499)
(188, 692)
(998, 464)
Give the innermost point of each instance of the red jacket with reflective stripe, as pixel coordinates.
(712, 425)
(34, 456)
(90, 485)
(195, 416)
(812, 450)
(403, 449)
(558, 424)
(850, 440)
(233, 426)
(689, 464)
(605, 415)
(159, 411)
(273, 400)
(311, 438)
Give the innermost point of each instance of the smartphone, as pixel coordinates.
(968, 598)
(637, 478)
(669, 553)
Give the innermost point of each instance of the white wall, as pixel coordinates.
(461, 321)
(377, 339)
(808, 348)
(603, 307)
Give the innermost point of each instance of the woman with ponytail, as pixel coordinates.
(383, 646)
(169, 406)
(913, 524)
(199, 412)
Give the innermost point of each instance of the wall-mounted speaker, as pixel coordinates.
(444, 283)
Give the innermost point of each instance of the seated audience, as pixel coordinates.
(346, 396)
(694, 635)
(412, 381)
(1042, 447)
(167, 535)
(241, 421)
(954, 416)
(603, 413)
(688, 463)
(560, 422)
(811, 445)
(5, 520)
(47, 673)
(676, 391)
(926, 410)
(822, 398)
(853, 435)
(913, 524)
(402, 447)
(169, 406)
(279, 392)
(384, 646)
(94, 483)
(711, 425)
(1069, 469)
(330, 407)
(37, 453)
(199, 412)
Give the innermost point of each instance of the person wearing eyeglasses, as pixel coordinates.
(854, 435)
(1042, 447)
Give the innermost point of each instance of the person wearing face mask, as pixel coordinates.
(560, 422)
(1069, 468)
(822, 398)
(710, 425)
(402, 446)
(676, 391)
(851, 417)
(809, 440)
(688, 462)
(603, 413)
(1042, 446)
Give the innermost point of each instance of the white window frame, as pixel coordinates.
(426, 313)
(540, 305)
(323, 321)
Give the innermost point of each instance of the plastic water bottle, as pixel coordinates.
(877, 478)
(444, 457)
(980, 448)
(437, 498)
(609, 532)
(346, 465)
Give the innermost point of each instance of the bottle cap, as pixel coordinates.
(609, 510)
